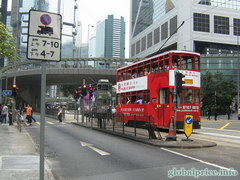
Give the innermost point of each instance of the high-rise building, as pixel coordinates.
(92, 47)
(204, 26)
(68, 10)
(110, 38)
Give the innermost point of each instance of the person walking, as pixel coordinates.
(209, 114)
(32, 115)
(229, 110)
(29, 114)
(4, 113)
(60, 113)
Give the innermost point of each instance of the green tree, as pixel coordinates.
(7, 44)
(218, 92)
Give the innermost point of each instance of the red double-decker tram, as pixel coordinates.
(145, 90)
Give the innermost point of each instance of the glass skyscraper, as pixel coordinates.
(110, 38)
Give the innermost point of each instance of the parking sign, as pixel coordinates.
(44, 36)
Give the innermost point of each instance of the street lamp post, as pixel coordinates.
(88, 39)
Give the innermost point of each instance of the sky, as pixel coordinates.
(93, 11)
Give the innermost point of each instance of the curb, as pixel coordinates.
(157, 143)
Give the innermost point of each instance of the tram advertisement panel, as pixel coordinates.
(137, 84)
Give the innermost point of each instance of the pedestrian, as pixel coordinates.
(32, 115)
(229, 112)
(10, 113)
(215, 113)
(20, 115)
(209, 114)
(4, 113)
(29, 114)
(60, 113)
(1, 113)
(1, 107)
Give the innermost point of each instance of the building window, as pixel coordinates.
(133, 50)
(156, 35)
(164, 31)
(205, 2)
(138, 47)
(149, 40)
(201, 22)
(173, 25)
(221, 25)
(143, 43)
(236, 27)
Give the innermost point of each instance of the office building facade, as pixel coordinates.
(209, 27)
(110, 38)
(204, 26)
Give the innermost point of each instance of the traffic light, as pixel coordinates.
(90, 92)
(179, 82)
(14, 90)
(84, 90)
(76, 94)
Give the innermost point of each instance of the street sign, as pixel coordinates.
(188, 125)
(7, 92)
(44, 36)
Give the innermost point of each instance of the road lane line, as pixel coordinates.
(50, 122)
(224, 126)
(220, 129)
(99, 151)
(199, 160)
(221, 135)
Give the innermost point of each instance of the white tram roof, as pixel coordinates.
(162, 54)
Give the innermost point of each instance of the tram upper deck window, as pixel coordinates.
(154, 66)
(176, 61)
(129, 74)
(140, 70)
(188, 62)
(197, 63)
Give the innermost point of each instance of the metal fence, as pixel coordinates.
(115, 123)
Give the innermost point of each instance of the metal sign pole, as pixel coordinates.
(42, 125)
(44, 43)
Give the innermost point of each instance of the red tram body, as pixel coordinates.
(151, 82)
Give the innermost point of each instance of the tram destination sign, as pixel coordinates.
(44, 36)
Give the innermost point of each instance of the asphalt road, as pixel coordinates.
(78, 153)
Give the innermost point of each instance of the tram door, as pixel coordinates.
(164, 107)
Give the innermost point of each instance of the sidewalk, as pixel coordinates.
(18, 157)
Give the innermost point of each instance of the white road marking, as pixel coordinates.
(221, 135)
(99, 151)
(199, 160)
